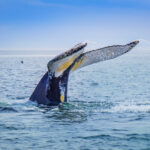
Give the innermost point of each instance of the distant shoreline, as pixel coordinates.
(3, 56)
(29, 53)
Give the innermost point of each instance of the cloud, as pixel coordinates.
(43, 4)
(129, 1)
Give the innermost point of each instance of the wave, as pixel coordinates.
(121, 108)
(7, 109)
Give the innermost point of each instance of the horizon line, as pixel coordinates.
(29, 49)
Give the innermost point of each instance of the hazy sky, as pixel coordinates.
(59, 24)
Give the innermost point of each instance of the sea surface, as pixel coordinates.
(108, 106)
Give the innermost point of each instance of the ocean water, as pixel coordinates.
(108, 106)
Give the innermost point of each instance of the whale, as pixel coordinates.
(52, 88)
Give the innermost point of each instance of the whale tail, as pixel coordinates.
(52, 88)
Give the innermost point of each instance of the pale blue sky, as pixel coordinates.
(51, 24)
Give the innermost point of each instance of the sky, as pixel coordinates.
(58, 25)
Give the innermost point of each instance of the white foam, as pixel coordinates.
(131, 107)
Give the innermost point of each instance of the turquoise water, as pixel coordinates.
(108, 106)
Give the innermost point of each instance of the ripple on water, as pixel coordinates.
(7, 109)
(138, 137)
(8, 127)
(67, 113)
(4, 107)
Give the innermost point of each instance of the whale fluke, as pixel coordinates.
(52, 88)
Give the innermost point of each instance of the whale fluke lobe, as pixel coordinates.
(52, 88)
(104, 54)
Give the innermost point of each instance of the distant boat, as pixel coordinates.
(22, 61)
